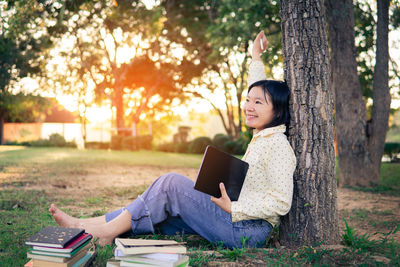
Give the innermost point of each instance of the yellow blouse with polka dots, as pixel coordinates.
(268, 188)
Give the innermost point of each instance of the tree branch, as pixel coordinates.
(197, 94)
(107, 54)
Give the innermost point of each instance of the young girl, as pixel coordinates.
(171, 204)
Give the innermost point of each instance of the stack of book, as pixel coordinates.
(60, 247)
(144, 252)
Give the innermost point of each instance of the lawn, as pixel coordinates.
(92, 182)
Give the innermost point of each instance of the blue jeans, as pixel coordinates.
(172, 205)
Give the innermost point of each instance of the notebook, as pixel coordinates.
(218, 166)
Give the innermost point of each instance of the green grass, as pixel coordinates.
(382, 246)
(390, 175)
(389, 180)
(393, 136)
(24, 212)
(74, 158)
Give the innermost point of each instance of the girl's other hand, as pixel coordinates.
(224, 202)
(257, 49)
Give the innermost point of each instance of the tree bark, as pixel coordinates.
(119, 105)
(1, 127)
(381, 93)
(313, 218)
(360, 143)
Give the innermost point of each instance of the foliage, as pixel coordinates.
(27, 28)
(365, 31)
(116, 142)
(239, 146)
(220, 140)
(365, 34)
(119, 142)
(144, 80)
(199, 145)
(97, 145)
(235, 147)
(175, 147)
(54, 140)
(22, 107)
(395, 17)
(218, 35)
(21, 42)
(392, 150)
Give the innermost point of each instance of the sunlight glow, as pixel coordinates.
(134, 47)
(99, 114)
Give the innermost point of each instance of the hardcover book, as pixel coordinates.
(59, 259)
(56, 237)
(155, 259)
(84, 246)
(74, 244)
(131, 246)
(85, 260)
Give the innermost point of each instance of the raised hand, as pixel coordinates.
(257, 49)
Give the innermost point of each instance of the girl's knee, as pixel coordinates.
(176, 180)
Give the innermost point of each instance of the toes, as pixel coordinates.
(52, 208)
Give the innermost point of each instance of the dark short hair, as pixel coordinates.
(279, 93)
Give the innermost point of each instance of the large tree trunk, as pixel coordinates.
(119, 105)
(360, 144)
(381, 93)
(1, 127)
(313, 217)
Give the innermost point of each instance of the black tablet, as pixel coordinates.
(218, 166)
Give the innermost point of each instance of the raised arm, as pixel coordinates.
(256, 68)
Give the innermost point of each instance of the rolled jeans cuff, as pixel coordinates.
(141, 222)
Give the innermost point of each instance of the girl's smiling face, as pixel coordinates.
(258, 109)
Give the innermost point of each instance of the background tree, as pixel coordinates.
(218, 35)
(121, 49)
(360, 139)
(313, 218)
(20, 53)
(27, 30)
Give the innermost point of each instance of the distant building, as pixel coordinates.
(57, 120)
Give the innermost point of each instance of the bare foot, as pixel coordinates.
(101, 233)
(63, 219)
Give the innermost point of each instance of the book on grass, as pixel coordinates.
(60, 259)
(74, 244)
(155, 259)
(126, 246)
(61, 253)
(29, 263)
(113, 263)
(220, 167)
(83, 261)
(56, 237)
